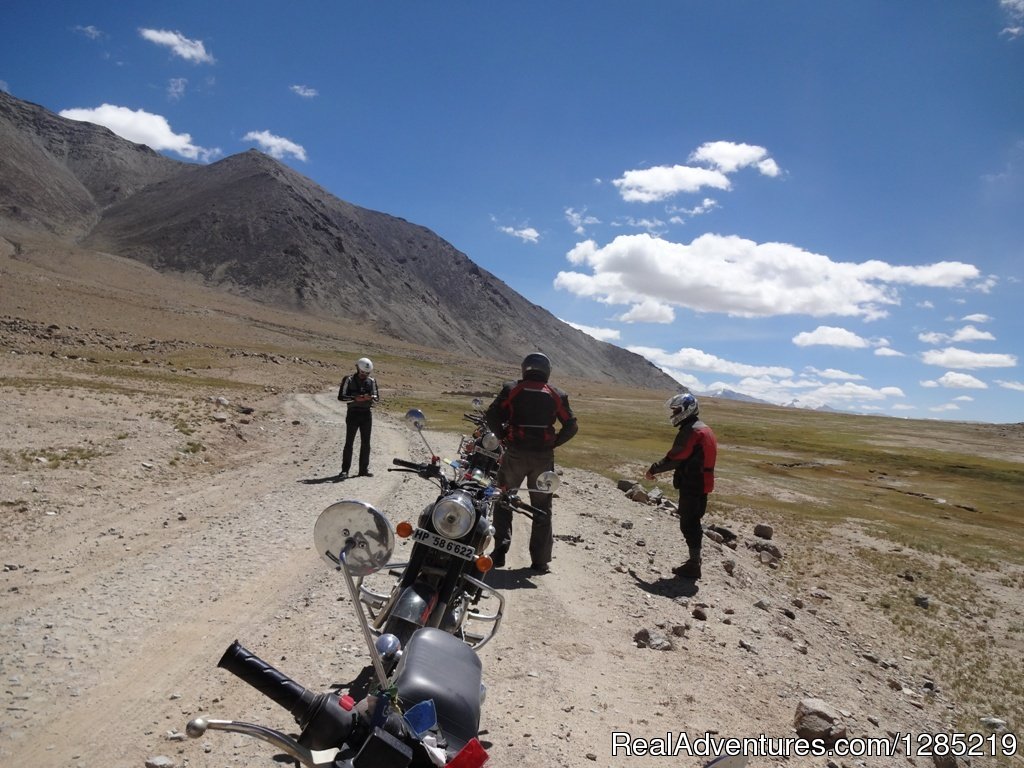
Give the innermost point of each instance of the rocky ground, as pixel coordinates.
(144, 528)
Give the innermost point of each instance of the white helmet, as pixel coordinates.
(365, 365)
(682, 406)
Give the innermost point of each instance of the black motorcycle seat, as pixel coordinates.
(439, 666)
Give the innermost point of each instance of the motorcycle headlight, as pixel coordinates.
(490, 442)
(453, 516)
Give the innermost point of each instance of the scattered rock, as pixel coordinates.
(816, 719)
(763, 531)
(656, 641)
(160, 761)
(922, 601)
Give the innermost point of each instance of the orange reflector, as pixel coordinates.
(484, 563)
(404, 529)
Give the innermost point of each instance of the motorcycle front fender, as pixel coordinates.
(415, 603)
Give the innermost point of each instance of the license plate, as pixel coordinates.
(434, 541)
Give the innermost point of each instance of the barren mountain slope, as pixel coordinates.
(252, 226)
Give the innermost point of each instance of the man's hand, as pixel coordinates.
(648, 475)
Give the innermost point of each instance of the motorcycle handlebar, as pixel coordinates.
(519, 505)
(269, 681)
(408, 464)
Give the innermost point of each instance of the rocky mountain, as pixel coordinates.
(252, 226)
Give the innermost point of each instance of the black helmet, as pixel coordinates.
(536, 366)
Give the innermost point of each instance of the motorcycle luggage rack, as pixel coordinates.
(475, 631)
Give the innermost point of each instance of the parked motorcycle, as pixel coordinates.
(442, 583)
(480, 453)
(427, 713)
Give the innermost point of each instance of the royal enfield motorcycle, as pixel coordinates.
(426, 712)
(442, 584)
(480, 452)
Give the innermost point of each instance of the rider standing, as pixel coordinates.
(692, 457)
(359, 391)
(524, 414)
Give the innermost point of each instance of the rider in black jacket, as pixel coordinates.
(359, 392)
(524, 414)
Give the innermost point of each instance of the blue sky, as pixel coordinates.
(802, 200)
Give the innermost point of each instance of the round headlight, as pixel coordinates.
(453, 516)
(489, 441)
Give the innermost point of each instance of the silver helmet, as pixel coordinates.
(681, 407)
(365, 365)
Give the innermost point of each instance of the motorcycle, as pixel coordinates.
(427, 713)
(480, 453)
(442, 584)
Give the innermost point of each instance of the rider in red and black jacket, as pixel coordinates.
(524, 415)
(692, 457)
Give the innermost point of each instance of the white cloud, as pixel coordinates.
(89, 31)
(833, 373)
(653, 184)
(4, 86)
(944, 408)
(526, 234)
(1017, 386)
(688, 358)
(1012, 32)
(190, 50)
(648, 311)
(729, 157)
(967, 333)
(1013, 7)
(903, 407)
(963, 399)
(176, 88)
(976, 318)
(829, 336)
(888, 352)
(811, 393)
(930, 384)
(143, 128)
(579, 220)
(954, 380)
(601, 334)
(952, 357)
(732, 275)
(653, 226)
(650, 185)
(970, 333)
(304, 91)
(680, 215)
(276, 146)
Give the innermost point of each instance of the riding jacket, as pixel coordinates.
(353, 385)
(524, 414)
(692, 456)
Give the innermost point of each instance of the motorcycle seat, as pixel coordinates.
(439, 666)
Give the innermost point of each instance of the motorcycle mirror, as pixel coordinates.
(416, 417)
(548, 482)
(359, 530)
(478, 404)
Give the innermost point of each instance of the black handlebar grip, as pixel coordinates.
(407, 464)
(273, 684)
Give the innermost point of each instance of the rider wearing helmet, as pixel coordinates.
(359, 391)
(524, 415)
(692, 457)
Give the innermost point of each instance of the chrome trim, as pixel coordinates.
(318, 758)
